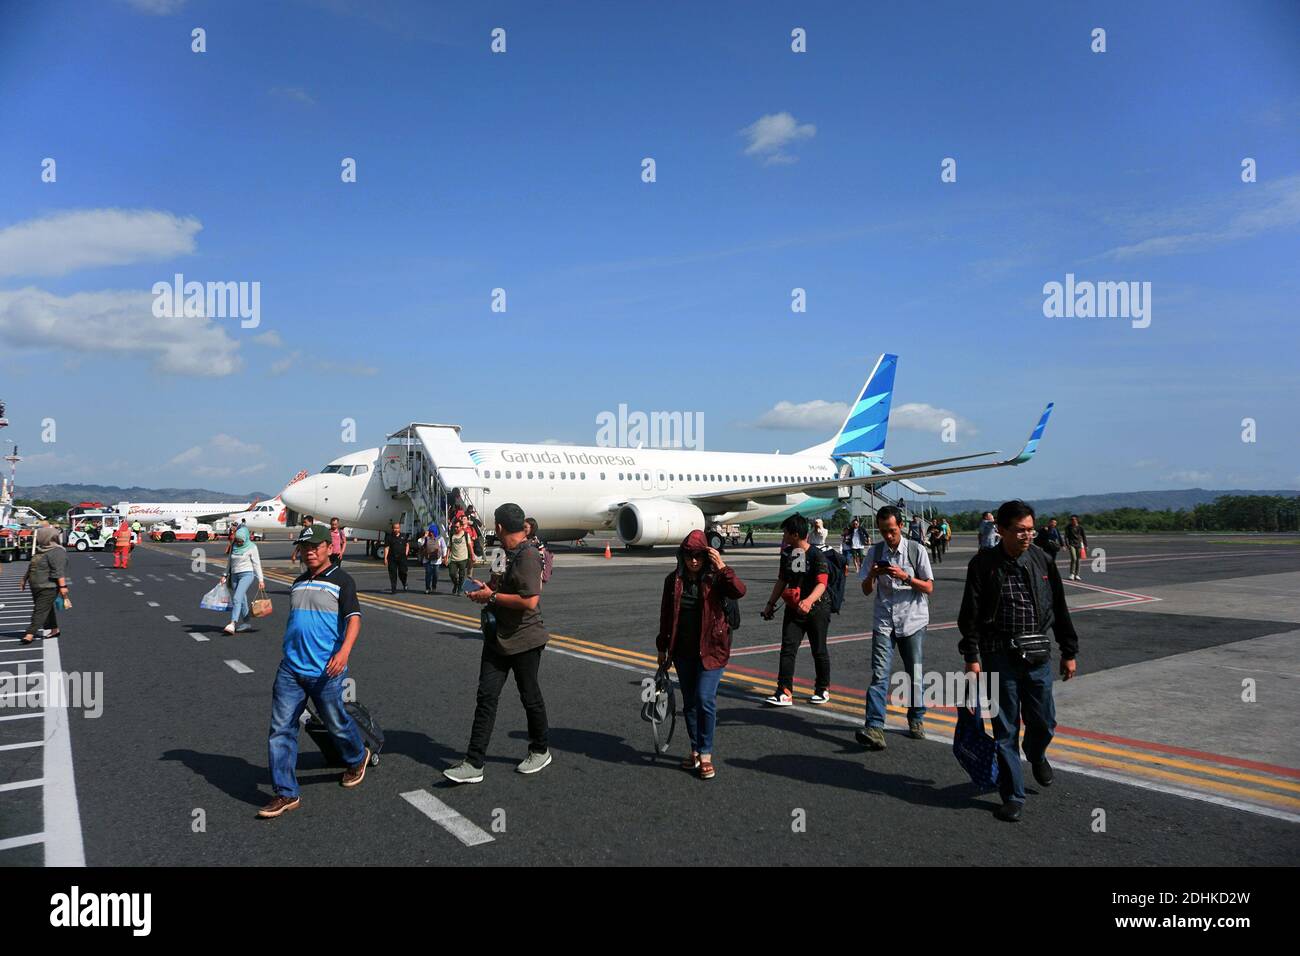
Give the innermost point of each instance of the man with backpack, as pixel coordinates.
(900, 574)
(803, 584)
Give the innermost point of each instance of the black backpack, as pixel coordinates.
(731, 607)
(835, 579)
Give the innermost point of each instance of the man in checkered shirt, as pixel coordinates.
(1013, 590)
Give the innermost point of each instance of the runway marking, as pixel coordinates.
(21, 785)
(22, 716)
(138, 593)
(171, 617)
(176, 576)
(154, 604)
(155, 577)
(462, 828)
(238, 667)
(25, 660)
(200, 637)
(33, 743)
(12, 843)
(90, 580)
(63, 844)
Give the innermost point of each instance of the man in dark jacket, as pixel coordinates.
(1013, 591)
(695, 634)
(1076, 539)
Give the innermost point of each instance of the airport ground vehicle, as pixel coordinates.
(182, 529)
(93, 531)
(13, 544)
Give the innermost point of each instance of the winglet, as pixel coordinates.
(1031, 446)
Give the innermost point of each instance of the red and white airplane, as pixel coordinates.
(270, 515)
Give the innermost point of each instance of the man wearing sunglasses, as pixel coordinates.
(1013, 596)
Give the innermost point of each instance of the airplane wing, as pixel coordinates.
(830, 488)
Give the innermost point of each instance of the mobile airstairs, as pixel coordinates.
(429, 465)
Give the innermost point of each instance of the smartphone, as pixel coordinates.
(470, 585)
(882, 567)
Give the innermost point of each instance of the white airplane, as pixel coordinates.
(649, 496)
(151, 512)
(269, 515)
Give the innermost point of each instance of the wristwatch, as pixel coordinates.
(908, 581)
(492, 600)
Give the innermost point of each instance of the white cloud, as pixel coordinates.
(918, 416)
(1255, 209)
(230, 445)
(280, 366)
(295, 93)
(817, 414)
(119, 322)
(270, 339)
(157, 8)
(187, 456)
(88, 238)
(770, 134)
(1193, 476)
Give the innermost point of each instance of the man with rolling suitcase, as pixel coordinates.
(324, 621)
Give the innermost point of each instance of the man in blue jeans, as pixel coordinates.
(324, 621)
(1013, 597)
(899, 573)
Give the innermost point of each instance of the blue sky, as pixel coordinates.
(775, 170)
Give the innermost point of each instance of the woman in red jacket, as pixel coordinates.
(694, 633)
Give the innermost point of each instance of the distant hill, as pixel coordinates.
(1181, 500)
(111, 494)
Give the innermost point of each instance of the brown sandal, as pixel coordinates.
(692, 762)
(707, 770)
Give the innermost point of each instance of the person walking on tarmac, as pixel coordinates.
(1076, 539)
(801, 583)
(460, 555)
(46, 576)
(245, 565)
(397, 549)
(695, 635)
(431, 551)
(1013, 596)
(122, 545)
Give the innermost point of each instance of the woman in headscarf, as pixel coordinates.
(47, 577)
(695, 635)
(245, 565)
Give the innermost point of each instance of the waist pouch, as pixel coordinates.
(1031, 649)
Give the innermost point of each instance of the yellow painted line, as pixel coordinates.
(1245, 792)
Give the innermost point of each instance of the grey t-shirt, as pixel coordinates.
(519, 631)
(46, 569)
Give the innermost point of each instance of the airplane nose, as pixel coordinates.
(303, 496)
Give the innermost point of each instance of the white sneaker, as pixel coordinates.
(229, 628)
(820, 697)
(779, 700)
(534, 762)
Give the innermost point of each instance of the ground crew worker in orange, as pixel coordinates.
(122, 546)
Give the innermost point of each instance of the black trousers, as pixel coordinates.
(396, 569)
(793, 631)
(492, 673)
(43, 609)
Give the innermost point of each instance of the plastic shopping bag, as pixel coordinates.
(218, 599)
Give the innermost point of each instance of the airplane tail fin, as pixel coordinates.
(865, 426)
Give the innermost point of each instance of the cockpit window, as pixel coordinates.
(360, 469)
(331, 470)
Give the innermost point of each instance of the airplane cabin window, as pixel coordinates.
(552, 476)
(602, 476)
(582, 475)
(530, 474)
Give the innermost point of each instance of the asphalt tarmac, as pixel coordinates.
(167, 765)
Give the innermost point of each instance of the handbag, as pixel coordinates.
(660, 711)
(974, 749)
(1033, 649)
(261, 606)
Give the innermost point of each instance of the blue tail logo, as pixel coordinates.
(863, 431)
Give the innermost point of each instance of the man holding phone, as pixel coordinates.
(899, 573)
(513, 641)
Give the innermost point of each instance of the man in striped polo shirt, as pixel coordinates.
(324, 621)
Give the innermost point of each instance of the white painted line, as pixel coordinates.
(139, 594)
(22, 694)
(176, 576)
(155, 577)
(238, 667)
(171, 617)
(464, 830)
(25, 660)
(154, 604)
(21, 785)
(90, 580)
(20, 650)
(22, 716)
(12, 843)
(63, 844)
(33, 743)
(198, 637)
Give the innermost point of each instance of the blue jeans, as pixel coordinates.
(430, 574)
(1022, 692)
(699, 700)
(882, 665)
(288, 699)
(240, 585)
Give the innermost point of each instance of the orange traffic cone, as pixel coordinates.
(607, 554)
